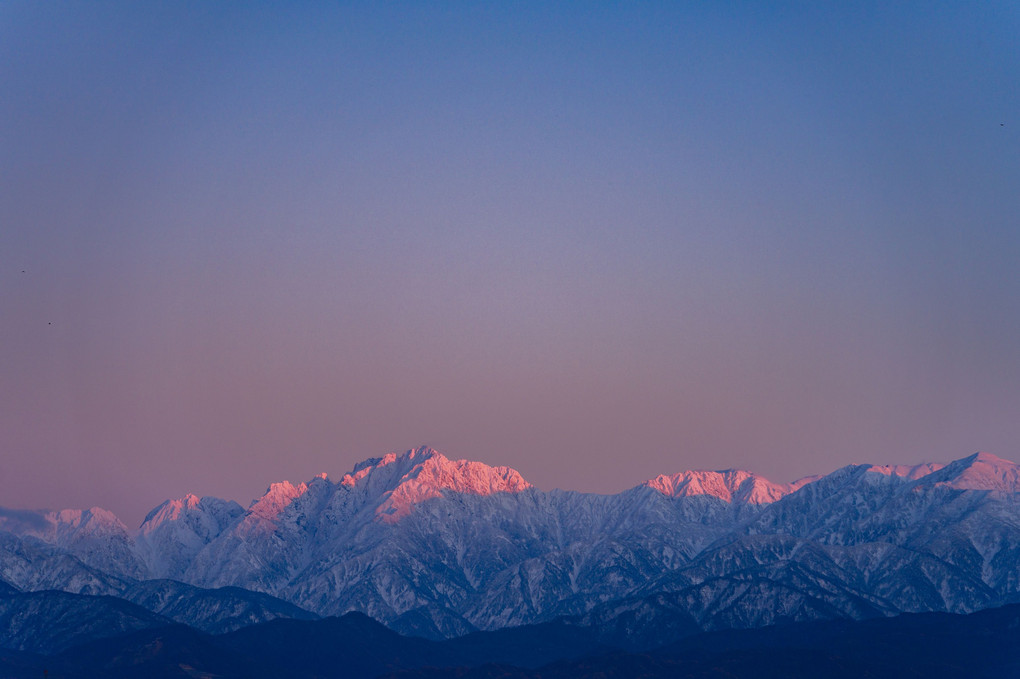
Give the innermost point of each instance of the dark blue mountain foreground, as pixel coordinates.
(983, 644)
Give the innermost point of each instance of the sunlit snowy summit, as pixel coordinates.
(439, 547)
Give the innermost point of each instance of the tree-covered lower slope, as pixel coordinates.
(983, 644)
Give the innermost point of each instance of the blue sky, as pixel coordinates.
(592, 241)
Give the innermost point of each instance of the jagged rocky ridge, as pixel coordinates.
(439, 548)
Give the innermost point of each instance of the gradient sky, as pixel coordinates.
(592, 241)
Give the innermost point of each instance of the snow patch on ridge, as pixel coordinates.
(910, 472)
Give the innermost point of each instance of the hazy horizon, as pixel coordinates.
(594, 243)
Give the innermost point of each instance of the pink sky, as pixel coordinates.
(245, 245)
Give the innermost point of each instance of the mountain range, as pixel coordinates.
(440, 548)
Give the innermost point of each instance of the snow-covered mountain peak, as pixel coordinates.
(980, 471)
(63, 525)
(424, 473)
(989, 459)
(731, 485)
(464, 476)
(386, 472)
(92, 517)
(73, 524)
(366, 467)
(175, 531)
(170, 510)
(276, 499)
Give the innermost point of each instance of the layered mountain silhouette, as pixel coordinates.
(440, 548)
(982, 644)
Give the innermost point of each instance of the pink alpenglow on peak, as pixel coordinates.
(731, 485)
(423, 473)
(980, 471)
(365, 467)
(78, 518)
(276, 499)
(171, 510)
